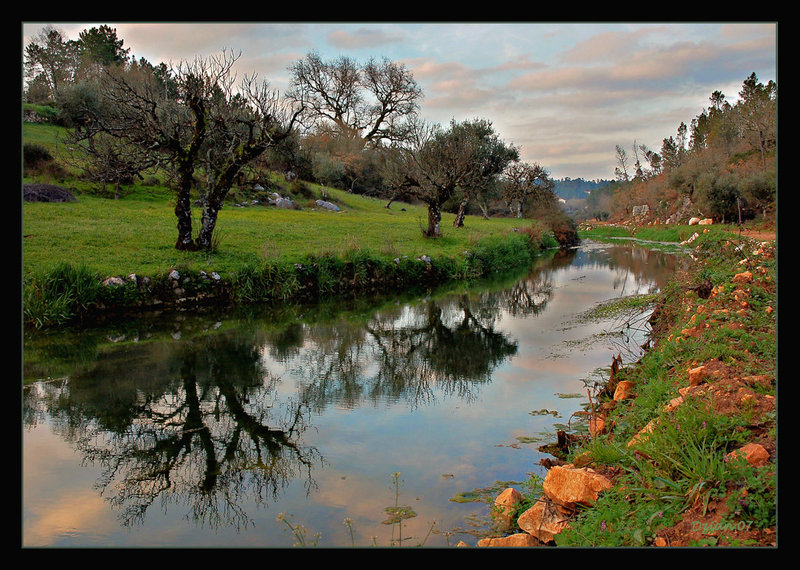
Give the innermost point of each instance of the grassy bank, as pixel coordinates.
(702, 393)
(262, 253)
(137, 234)
(668, 234)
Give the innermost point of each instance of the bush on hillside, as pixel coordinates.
(35, 155)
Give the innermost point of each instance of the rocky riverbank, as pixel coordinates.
(681, 447)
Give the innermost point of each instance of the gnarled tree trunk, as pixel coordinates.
(211, 209)
(183, 212)
(434, 218)
(462, 211)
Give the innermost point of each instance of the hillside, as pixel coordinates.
(136, 233)
(262, 250)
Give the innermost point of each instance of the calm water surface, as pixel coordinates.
(200, 430)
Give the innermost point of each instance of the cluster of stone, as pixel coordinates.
(565, 489)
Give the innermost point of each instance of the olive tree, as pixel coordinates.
(244, 125)
(491, 156)
(434, 163)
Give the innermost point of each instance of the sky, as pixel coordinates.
(564, 93)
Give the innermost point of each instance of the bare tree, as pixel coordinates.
(621, 171)
(106, 161)
(166, 120)
(522, 182)
(245, 125)
(188, 119)
(370, 103)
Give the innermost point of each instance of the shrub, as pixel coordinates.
(35, 155)
(534, 233)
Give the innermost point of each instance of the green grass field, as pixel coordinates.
(137, 233)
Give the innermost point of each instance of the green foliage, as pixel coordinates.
(266, 252)
(265, 281)
(47, 113)
(605, 232)
(55, 297)
(690, 447)
(630, 305)
(499, 253)
(102, 46)
(45, 135)
(140, 227)
(671, 234)
(357, 271)
(760, 189)
(66, 292)
(684, 461)
(720, 195)
(756, 499)
(660, 233)
(619, 520)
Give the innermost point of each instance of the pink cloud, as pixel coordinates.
(607, 46)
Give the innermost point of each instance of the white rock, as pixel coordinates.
(114, 281)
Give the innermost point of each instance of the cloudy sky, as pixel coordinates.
(564, 93)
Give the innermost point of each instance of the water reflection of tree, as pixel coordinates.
(404, 354)
(197, 426)
(201, 423)
(528, 297)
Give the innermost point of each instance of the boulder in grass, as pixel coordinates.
(114, 282)
(522, 539)
(328, 205)
(504, 506)
(754, 453)
(623, 391)
(46, 193)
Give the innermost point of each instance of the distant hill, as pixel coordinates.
(577, 188)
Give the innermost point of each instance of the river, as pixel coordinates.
(353, 423)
